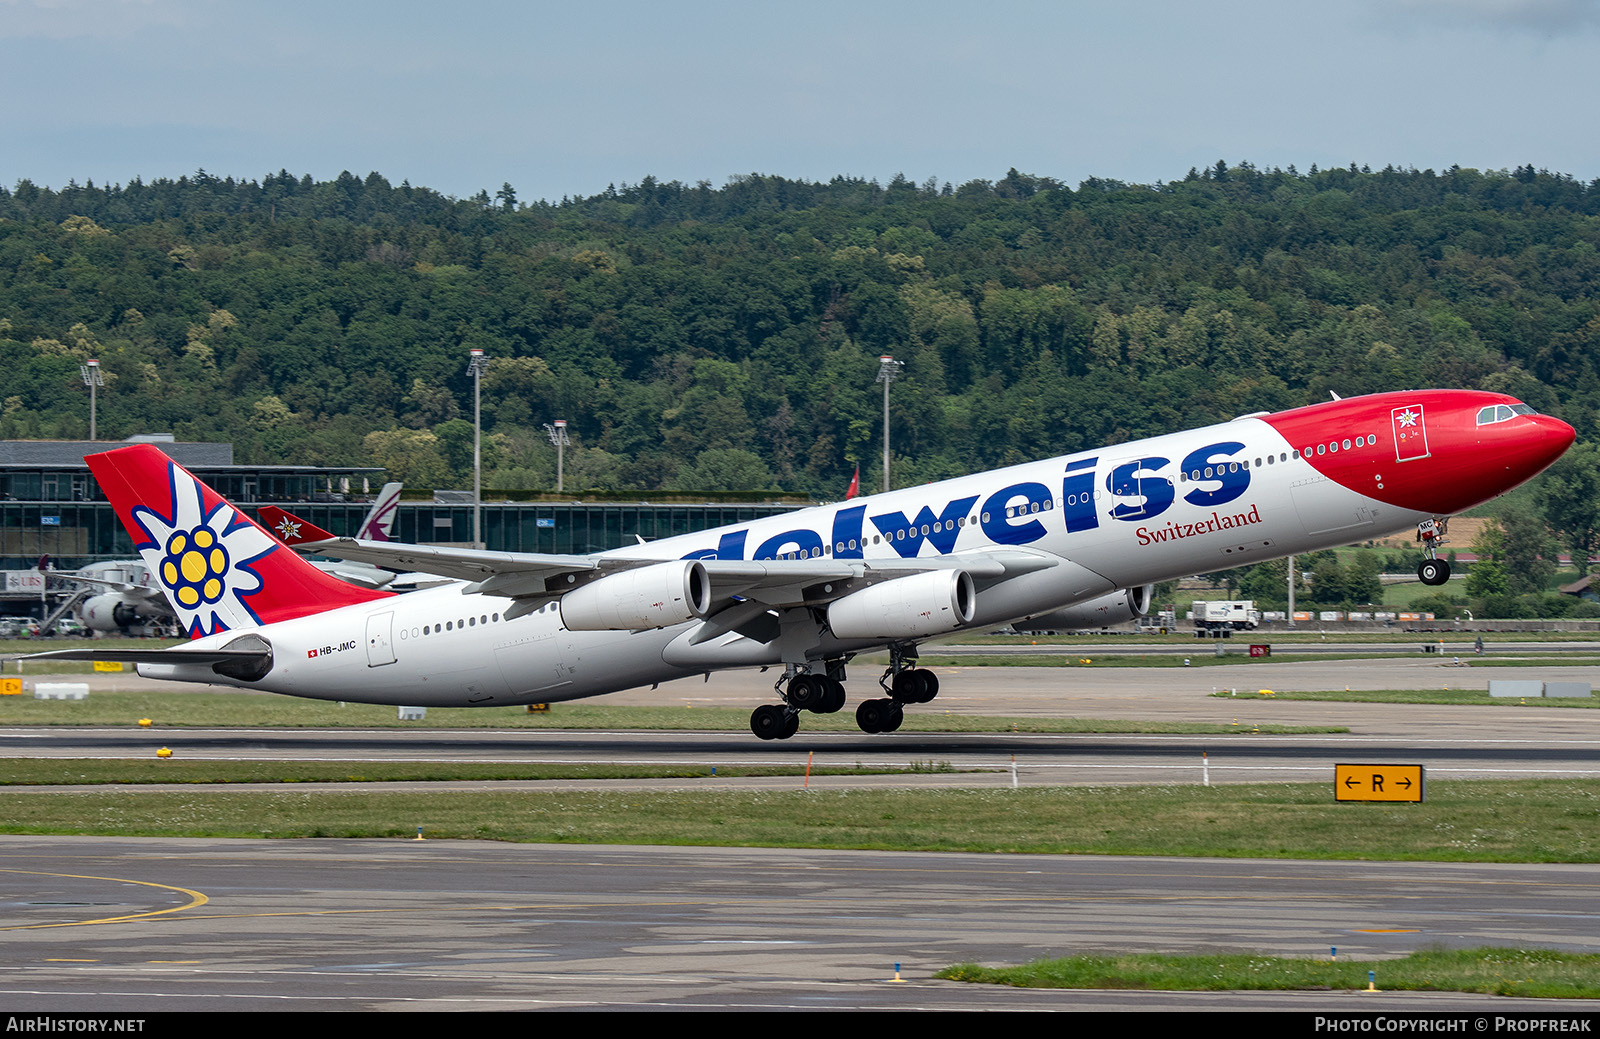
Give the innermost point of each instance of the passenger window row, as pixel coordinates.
(460, 623)
(1333, 447)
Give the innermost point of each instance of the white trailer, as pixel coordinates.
(1219, 619)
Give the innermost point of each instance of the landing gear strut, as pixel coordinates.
(1433, 570)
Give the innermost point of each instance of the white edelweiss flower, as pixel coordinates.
(203, 559)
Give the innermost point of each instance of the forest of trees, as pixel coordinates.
(701, 337)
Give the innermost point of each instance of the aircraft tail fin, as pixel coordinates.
(218, 568)
(379, 524)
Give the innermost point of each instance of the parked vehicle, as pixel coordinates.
(1220, 618)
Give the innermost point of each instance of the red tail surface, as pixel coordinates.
(289, 528)
(218, 568)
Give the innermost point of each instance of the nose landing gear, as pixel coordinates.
(1433, 570)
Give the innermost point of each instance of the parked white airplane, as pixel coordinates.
(132, 598)
(1066, 542)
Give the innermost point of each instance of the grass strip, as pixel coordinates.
(1209, 659)
(1535, 973)
(1453, 697)
(1463, 820)
(122, 772)
(1278, 636)
(204, 709)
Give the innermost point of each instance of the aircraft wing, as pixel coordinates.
(120, 586)
(462, 564)
(741, 587)
(787, 582)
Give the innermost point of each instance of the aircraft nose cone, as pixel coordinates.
(1558, 436)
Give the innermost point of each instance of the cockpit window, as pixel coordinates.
(1502, 412)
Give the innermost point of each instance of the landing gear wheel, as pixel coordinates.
(835, 698)
(915, 686)
(1433, 571)
(808, 693)
(773, 721)
(879, 715)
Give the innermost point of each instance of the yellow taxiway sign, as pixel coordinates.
(1379, 783)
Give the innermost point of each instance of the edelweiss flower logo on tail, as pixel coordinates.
(203, 559)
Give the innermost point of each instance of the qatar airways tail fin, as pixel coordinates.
(218, 568)
(379, 524)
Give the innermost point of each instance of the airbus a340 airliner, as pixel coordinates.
(1075, 541)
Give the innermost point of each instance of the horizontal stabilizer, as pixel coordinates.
(151, 656)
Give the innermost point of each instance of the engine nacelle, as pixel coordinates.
(1124, 604)
(109, 611)
(931, 603)
(656, 596)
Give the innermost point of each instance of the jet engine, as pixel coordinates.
(1124, 604)
(929, 603)
(656, 596)
(112, 611)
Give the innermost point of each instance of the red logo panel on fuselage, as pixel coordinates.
(1410, 433)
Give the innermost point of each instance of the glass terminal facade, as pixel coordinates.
(51, 505)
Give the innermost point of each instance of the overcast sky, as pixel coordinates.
(565, 98)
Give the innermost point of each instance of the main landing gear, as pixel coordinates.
(824, 694)
(819, 694)
(1433, 570)
(905, 685)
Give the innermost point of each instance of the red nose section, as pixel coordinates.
(1435, 451)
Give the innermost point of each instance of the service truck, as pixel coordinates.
(1220, 618)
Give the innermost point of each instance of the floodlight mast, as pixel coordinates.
(475, 368)
(558, 436)
(888, 371)
(1291, 592)
(90, 370)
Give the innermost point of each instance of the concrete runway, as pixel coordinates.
(129, 925)
(1452, 742)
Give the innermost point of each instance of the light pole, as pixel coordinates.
(475, 368)
(1291, 591)
(558, 437)
(888, 370)
(92, 378)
